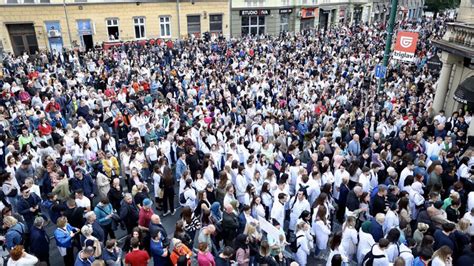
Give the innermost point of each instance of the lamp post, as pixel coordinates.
(179, 20)
(388, 43)
(67, 24)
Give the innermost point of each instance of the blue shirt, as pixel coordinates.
(83, 262)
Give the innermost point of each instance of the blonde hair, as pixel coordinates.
(463, 225)
(10, 221)
(61, 222)
(87, 230)
(249, 229)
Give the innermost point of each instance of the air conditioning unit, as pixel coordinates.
(54, 34)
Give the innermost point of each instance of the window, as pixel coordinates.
(194, 24)
(284, 19)
(165, 26)
(215, 23)
(253, 25)
(113, 29)
(139, 25)
(26, 1)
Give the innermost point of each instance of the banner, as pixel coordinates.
(405, 46)
(53, 31)
(269, 228)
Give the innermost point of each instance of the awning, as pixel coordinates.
(465, 91)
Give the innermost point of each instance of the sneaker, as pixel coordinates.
(166, 213)
(174, 211)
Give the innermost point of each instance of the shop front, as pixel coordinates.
(285, 19)
(253, 21)
(308, 18)
(55, 39)
(84, 28)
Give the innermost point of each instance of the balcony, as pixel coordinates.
(458, 39)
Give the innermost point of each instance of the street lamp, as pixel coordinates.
(388, 43)
(67, 24)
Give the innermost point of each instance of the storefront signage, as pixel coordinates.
(256, 12)
(53, 30)
(405, 47)
(309, 12)
(84, 27)
(286, 11)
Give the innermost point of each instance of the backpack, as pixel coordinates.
(182, 199)
(370, 257)
(25, 237)
(182, 259)
(294, 244)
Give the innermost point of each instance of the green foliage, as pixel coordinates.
(440, 5)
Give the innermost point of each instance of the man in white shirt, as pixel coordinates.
(151, 153)
(408, 170)
(278, 209)
(298, 204)
(81, 200)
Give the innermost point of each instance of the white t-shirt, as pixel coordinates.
(84, 202)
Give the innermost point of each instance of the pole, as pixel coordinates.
(67, 23)
(179, 20)
(388, 43)
(230, 19)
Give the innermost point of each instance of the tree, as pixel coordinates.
(436, 6)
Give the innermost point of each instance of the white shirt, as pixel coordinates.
(366, 241)
(391, 220)
(84, 203)
(406, 254)
(297, 207)
(278, 212)
(152, 153)
(403, 175)
(470, 217)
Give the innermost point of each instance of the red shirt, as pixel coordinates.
(45, 130)
(144, 217)
(137, 258)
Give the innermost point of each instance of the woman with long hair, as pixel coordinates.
(322, 230)
(349, 237)
(442, 257)
(336, 248)
(221, 186)
(258, 209)
(242, 255)
(267, 198)
(191, 221)
(181, 234)
(167, 183)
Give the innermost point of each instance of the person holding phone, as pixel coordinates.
(64, 235)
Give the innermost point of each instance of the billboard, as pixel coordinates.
(405, 46)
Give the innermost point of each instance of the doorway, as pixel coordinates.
(88, 42)
(23, 38)
(323, 20)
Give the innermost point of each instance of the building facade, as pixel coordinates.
(28, 25)
(455, 88)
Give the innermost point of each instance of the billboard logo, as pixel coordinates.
(405, 47)
(406, 41)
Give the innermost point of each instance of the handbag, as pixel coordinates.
(13, 193)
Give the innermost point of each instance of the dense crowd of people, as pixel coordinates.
(278, 150)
